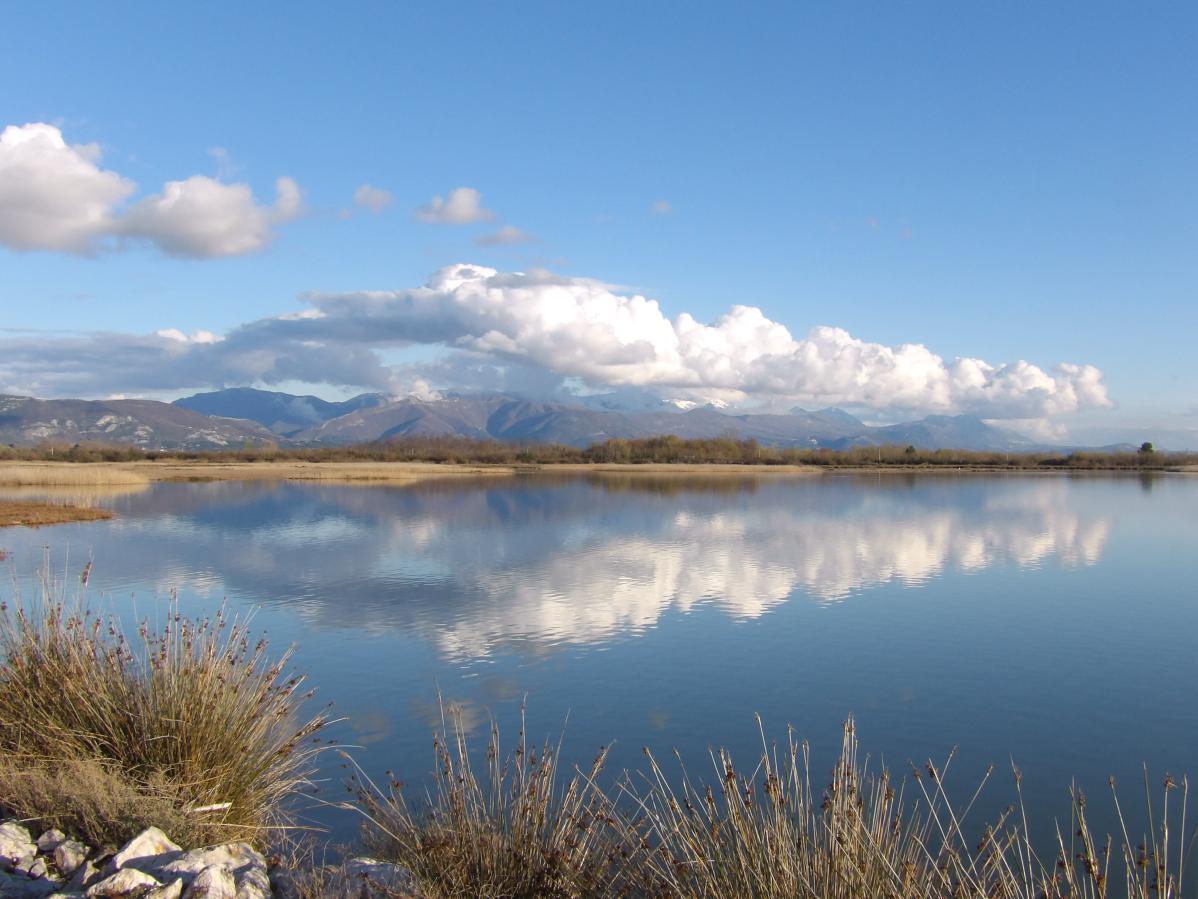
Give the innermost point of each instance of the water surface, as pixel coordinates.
(1049, 619)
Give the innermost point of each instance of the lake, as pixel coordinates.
(1049, 619)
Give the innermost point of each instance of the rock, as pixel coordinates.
(66, 896)
(241, 860)
(125, 882)
(253, 883)
(214, 882)
(372, 877)
(16, 845)
(84, 876)
(18, 886)
(172, 890)
(145, 845)
(68, 856)
(33, 868)
(50, 840)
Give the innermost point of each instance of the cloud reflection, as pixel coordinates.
(538, 563)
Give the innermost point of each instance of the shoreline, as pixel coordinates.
(143, 473)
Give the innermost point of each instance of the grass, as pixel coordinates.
(68, 475)
(515, 833)
(192, 723)
(35, 514)
(771, 832)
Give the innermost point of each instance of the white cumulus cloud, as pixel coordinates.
(204, 218)
(54, 196)
(463, 206)
(568, 328)
(373, 198)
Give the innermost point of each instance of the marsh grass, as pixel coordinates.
(517, 831)
(69, 475)
(188, 717)
(772, 831)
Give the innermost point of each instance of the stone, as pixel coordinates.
(33, 868)
(213, 882)
(385, 878)
(18, 886)
(15, 845)
(50, 840)
(148, 843)
(68, 856)
(84, 876)
(245, 863)
(253, 882)
(172, 890)
(125, 882)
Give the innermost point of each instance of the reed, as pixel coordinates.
(187, 717)
(769, 832)
(69, 475)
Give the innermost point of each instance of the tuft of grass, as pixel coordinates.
(193, 720)
(516, 832)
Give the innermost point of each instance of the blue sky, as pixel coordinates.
(996, 181)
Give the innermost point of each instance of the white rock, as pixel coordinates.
(15, 844)
(172, 890)
(123, 883)
(50, 840)
(214, 882)
(68, 856)
(83, 877)
(33, 868)
(145, 845)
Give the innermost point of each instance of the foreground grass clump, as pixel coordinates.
(771, 833)
(518, 833)
(190, 728)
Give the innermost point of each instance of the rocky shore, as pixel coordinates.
(151, 866)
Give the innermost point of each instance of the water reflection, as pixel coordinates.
(536, 563)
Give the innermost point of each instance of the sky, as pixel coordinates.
(899, 209)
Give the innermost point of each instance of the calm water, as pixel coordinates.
(1053, 620)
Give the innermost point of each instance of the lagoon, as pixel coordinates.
(1052, 620)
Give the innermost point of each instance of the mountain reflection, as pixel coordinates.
(540, 562)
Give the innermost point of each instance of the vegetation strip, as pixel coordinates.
(35, 514)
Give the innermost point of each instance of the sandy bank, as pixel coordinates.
(96, 473)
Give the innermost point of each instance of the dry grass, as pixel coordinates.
(36, 514)
(68, 475)
(517, 833)
(771, 832)
(193, 715)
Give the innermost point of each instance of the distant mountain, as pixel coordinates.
(228, 418)
(282, 413)
(149, 424)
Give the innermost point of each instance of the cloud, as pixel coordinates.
(575, 328)
(373, 198)
(203, 218)
(54, 196)
(508, 235)
(661, 207)
(462, 207)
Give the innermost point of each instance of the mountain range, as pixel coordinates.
(235, 417)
